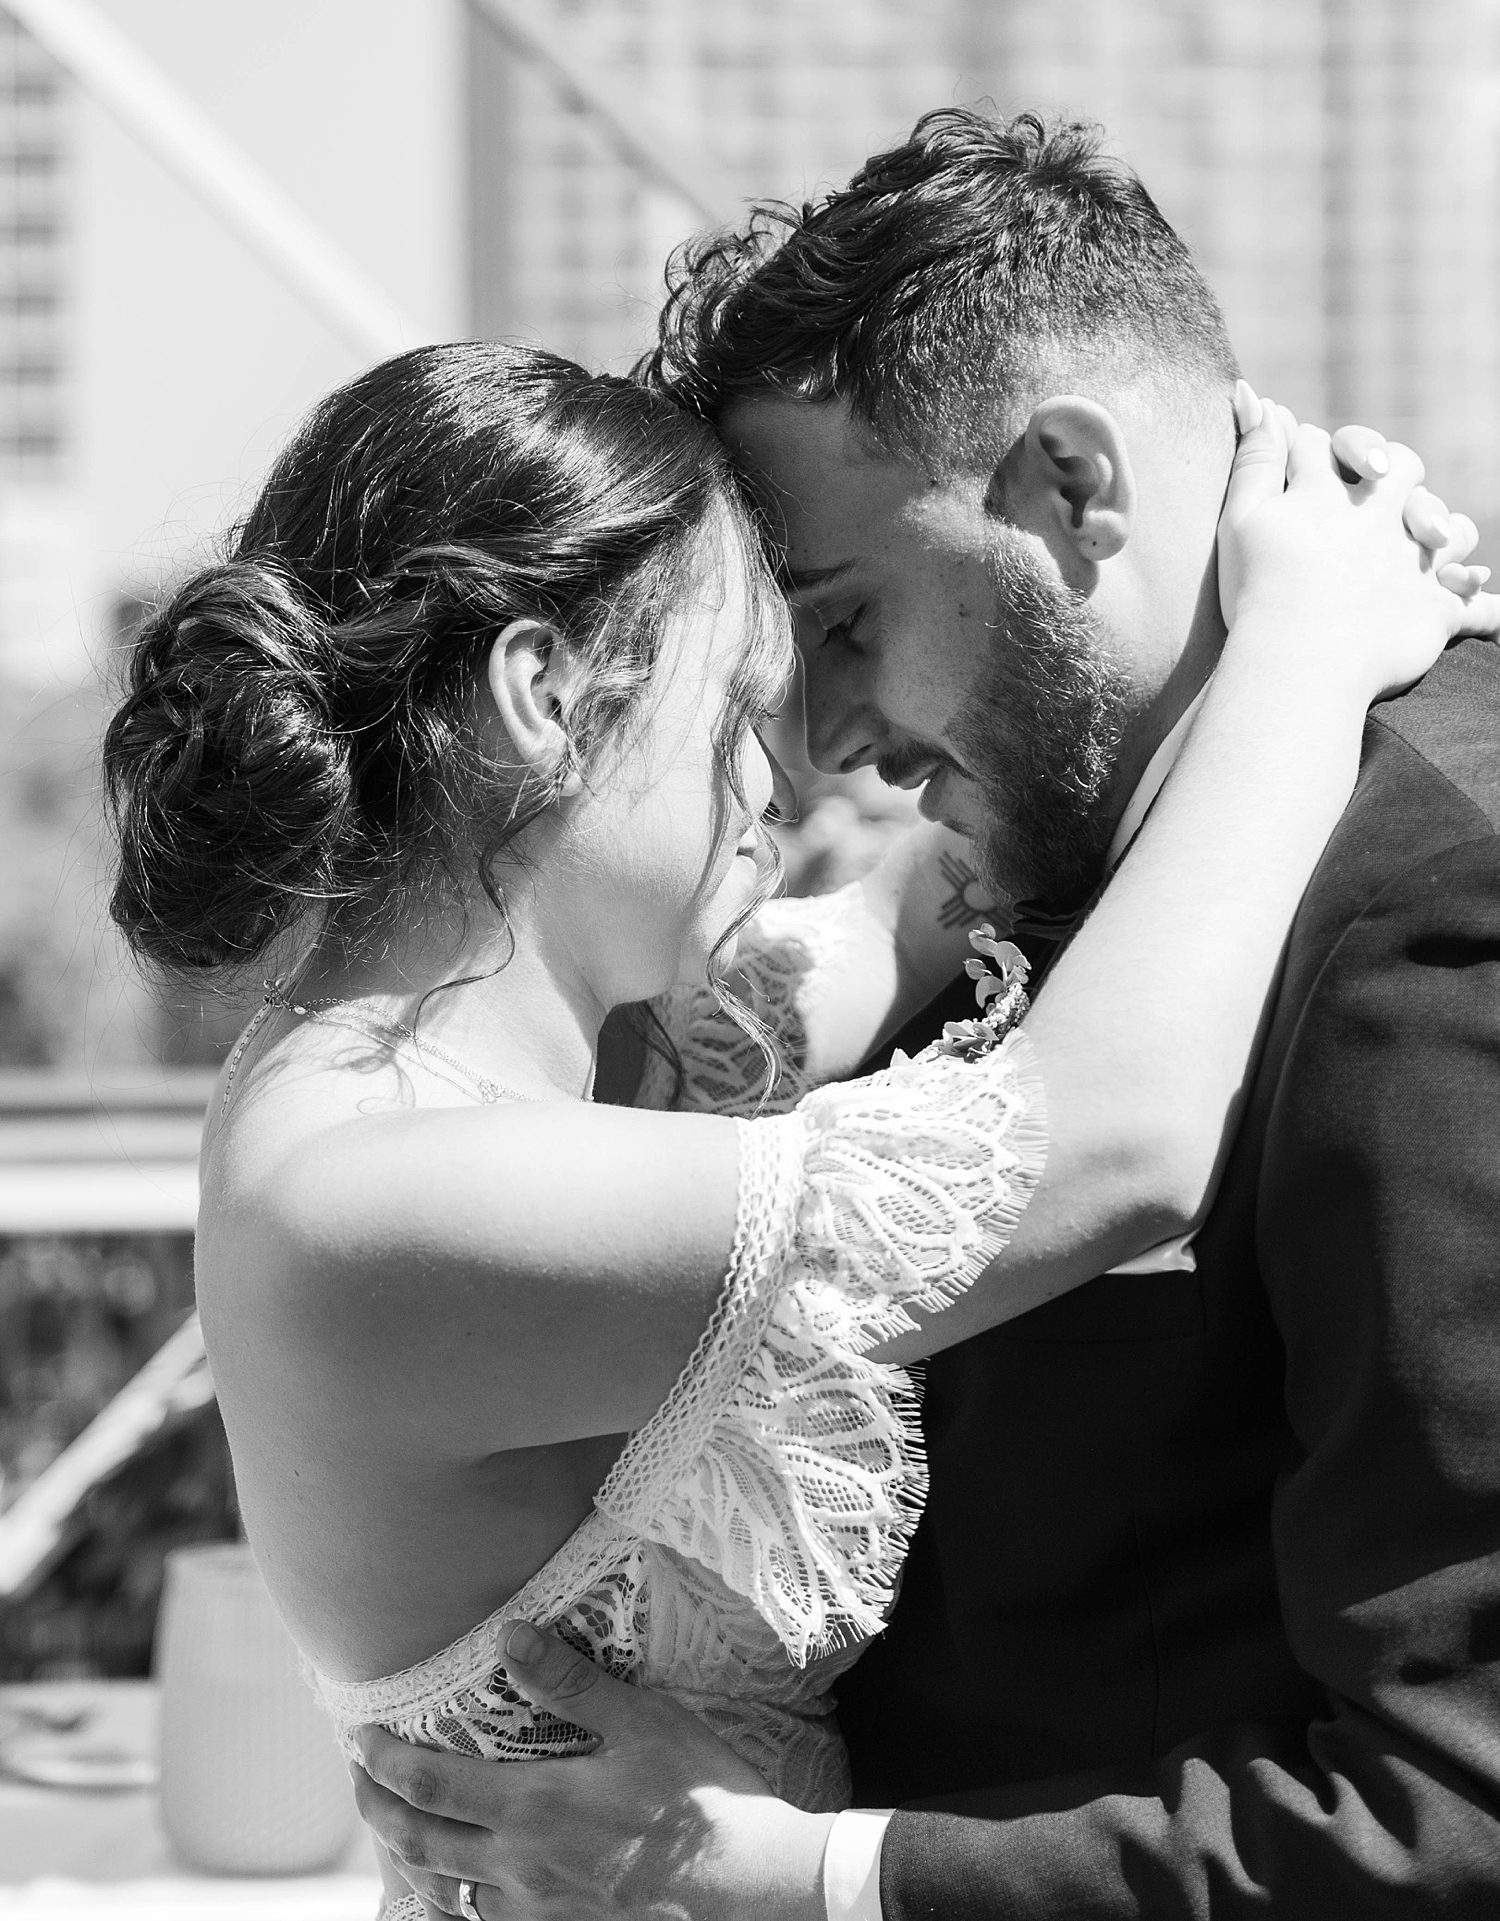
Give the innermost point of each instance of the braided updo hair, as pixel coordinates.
(298, 745)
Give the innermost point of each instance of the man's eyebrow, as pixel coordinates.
(803, 578)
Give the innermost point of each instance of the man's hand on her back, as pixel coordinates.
(661, 1819)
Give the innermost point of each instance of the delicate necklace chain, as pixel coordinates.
(337, 1013)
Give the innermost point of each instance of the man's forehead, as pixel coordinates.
(783, 427)
(817, 475)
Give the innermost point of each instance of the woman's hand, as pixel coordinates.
(1364, 576)
(1363, 453)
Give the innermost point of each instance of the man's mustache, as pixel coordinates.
(899, 765)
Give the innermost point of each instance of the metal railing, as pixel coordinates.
(85, 1156)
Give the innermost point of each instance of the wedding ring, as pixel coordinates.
(466, 1905)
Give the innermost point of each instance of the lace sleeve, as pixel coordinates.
(788, 955)
(785, 1460)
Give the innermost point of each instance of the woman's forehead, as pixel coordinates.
(732, 627)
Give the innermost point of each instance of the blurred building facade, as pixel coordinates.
(150, 363)
(34, 154)
(37, 524)
(1334, 163)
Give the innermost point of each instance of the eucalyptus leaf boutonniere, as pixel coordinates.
(998, 970)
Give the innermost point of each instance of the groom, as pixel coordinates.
(1203, 1618)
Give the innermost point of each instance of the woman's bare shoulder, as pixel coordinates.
(501, 1248)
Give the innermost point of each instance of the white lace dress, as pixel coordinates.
(750, 1535)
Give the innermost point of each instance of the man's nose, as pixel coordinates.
(844, 728)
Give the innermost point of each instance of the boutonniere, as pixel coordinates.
(998, 970)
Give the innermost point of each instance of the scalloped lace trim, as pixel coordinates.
(593, 1556)
(805, 1473)
(595, 1552)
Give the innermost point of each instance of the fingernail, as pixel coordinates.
(1378, 460)
(523, 1643)
(1247, 411)
(1481, 575)
(1442, 528)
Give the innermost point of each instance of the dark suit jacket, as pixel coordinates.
(1204, 1614)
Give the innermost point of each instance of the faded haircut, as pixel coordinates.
(945, 289)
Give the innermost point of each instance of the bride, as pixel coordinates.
(459, 746)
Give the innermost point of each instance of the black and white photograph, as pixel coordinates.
(749, 960)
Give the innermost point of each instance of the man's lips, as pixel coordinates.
(931, 807)
(938, 802)
(935, 773)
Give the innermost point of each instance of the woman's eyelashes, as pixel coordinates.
(773, 703)
(844, 630)
(818, 627)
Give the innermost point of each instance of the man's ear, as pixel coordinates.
(528, 673)
(1069, 477)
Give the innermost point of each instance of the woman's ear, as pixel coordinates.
(528, 675)
(1069, 477)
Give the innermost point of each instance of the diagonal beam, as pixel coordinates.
(526, 27)
(163, 118)
(34, 1529)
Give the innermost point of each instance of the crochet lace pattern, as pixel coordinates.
(749, 1537)
(787, 960)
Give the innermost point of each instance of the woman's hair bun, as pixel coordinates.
(228, 784)
(305, 745)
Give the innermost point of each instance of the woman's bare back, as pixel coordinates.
(380, 1539)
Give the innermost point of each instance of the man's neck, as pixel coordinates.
(1179, 690)
(1150, 784)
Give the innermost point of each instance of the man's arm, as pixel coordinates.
(1379, 1239)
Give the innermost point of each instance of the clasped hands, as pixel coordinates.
(1364, 460)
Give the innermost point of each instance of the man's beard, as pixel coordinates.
(1041, 734)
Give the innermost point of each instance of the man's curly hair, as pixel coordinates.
(938, 291)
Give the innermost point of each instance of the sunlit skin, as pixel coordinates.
(894, 597)
(655, 855)
(625, 887)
